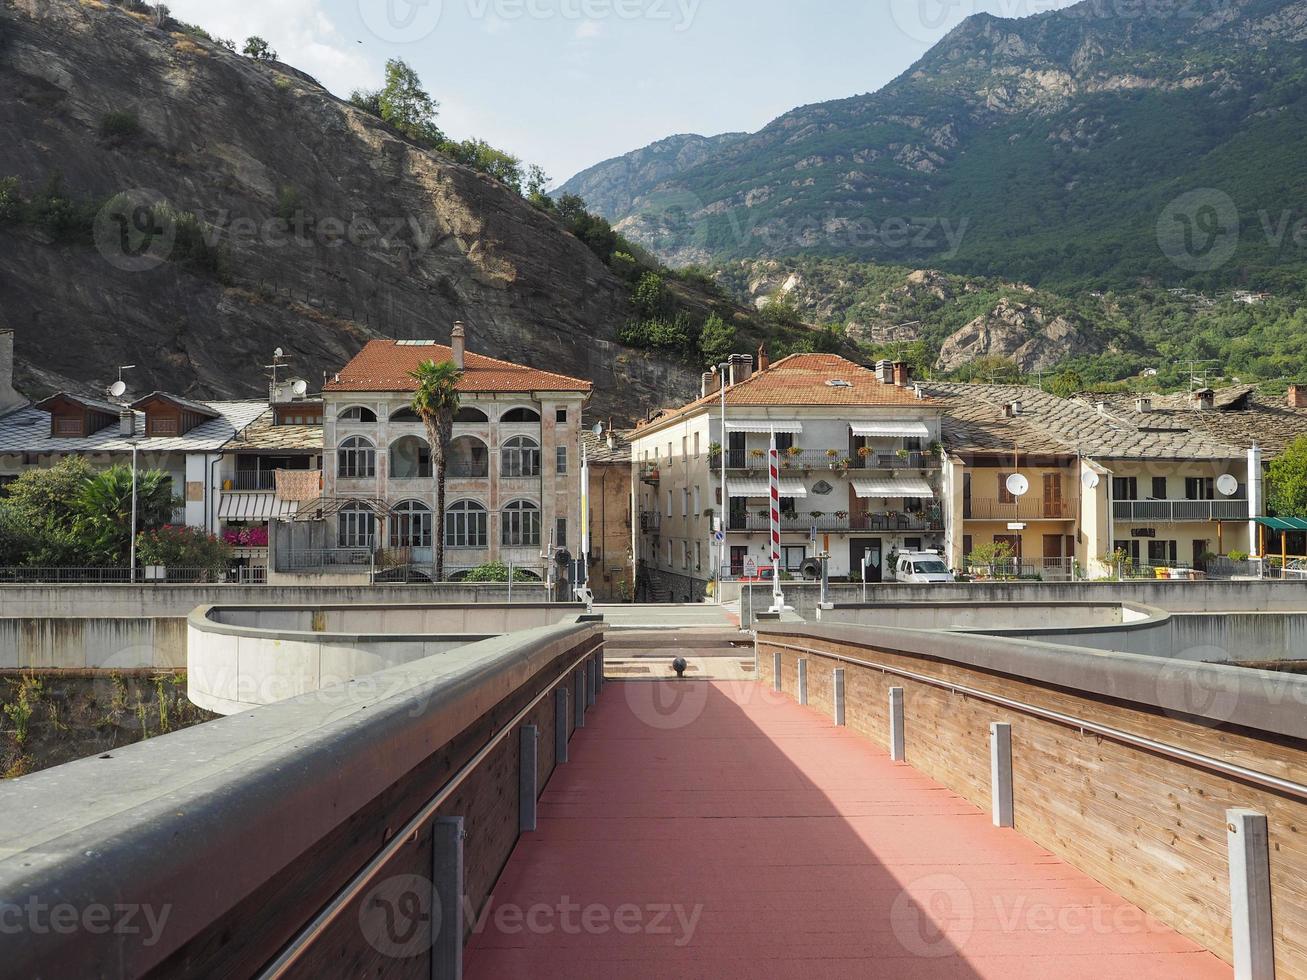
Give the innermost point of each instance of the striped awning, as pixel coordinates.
(890, 430)
(764, 425)
(256, 507)
(758, 488)
(904, 486)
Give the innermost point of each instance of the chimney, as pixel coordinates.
(127, 423)
(902, 373)
(885, 371)
(9, 398)
(458, 342)
(1100, 408)
(707, 383)
(741, 368)
(764, 361)
(1298, 396)
(1013, 409)
(1143, 405)
(1204, 400)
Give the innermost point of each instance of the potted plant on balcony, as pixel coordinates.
(864, 453)
(901, 453)
(714, 452)
(842, 515)
(935, 449)
(757, 453)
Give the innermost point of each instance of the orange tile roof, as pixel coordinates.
(384, 365)
(800, 380)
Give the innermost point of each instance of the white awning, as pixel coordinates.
(790, 487)
(904, 486)
(763, 425)
(891, 430)
(256, 507)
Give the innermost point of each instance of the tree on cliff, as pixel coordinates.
(1288, 481)
(436, 403)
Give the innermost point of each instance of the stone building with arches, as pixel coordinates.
(513, 477)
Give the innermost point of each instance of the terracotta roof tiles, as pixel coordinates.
(384, 365)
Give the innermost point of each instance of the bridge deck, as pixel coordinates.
(731, 833)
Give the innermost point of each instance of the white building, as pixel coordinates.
(860, 462)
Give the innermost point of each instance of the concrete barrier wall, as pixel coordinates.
(99, 642)
(1147, 823)
(233, 834)
(977, 615)
(240, 658)
(1208, 596)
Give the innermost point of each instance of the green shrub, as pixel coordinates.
(496, 571)
(119, 125)
(184, 547)
(11, 201)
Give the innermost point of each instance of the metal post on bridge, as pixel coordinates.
(447, 836)
(1250, 895)
(528, 779)
(803, 682)
(776, 670)
(592, 679)
(579, 702)
(560, 725)
(897, 742)
(1000, 773)
(837, 688)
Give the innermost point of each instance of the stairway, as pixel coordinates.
(639, 652)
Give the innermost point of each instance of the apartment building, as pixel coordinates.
(860, 472)
(612, 565)
(1162, 491)
(513, 476)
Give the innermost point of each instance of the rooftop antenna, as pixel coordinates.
(278, 357)
(119, 387)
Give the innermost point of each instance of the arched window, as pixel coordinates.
(466, 524)
(357, 413)
(471, 416)
(410, 459)
(410, 525)
(355, 527)
(522, 525)
(468, 458)
(520, 415)
(356, 459)
(405, 414)
(520, 457)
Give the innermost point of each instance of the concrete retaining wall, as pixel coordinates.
(101, 642)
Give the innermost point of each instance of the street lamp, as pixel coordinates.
(724, 510)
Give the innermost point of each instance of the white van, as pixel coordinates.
(921, 568)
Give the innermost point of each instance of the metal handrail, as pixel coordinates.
(298, 946)
(1265, 780)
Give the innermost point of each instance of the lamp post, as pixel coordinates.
(132, 546)
(725, 508)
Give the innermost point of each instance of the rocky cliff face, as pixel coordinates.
(1017, 332)
(329, 228)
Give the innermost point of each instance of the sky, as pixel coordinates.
(569, 83)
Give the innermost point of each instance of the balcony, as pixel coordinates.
(839, 524)
(650, 521)
(1178, 511)
(755, 461)
(1025, 509)
(650, 475)
(254, 481)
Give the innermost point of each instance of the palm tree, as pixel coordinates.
(436, 402)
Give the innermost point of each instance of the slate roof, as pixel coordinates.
(1241, 417)
(263, 436)
(384, 365)
(976, 421)
(597, 450)
(28, 431)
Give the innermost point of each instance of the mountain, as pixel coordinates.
(266, 213)
(1053, 150)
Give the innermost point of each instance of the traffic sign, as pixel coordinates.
(750, 567)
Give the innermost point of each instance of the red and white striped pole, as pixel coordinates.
(774, 486)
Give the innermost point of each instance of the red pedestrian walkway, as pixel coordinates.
(718, 830)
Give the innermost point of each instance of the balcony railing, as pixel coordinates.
(254, 480)
(879, 460)
(321, 558)
(829, 523)
(1024, 509)
(650, 521)
(1179, 511)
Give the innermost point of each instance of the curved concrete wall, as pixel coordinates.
(241, 657)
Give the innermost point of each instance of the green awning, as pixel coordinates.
(1283, 523)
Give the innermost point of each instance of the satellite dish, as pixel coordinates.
(278, 353)
(300, 388)
(1228, 485)
(1091, 480)
(117, 389)
(1018, 485)
(598, 429)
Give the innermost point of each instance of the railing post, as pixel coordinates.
(578, 703)
(447, 878)
(838, 691)
(803, 682)
(1250, 895)
(560, 725)
(592, 685)
(527, 778)
(776, 670)
(897, 752)
(1000, 773)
